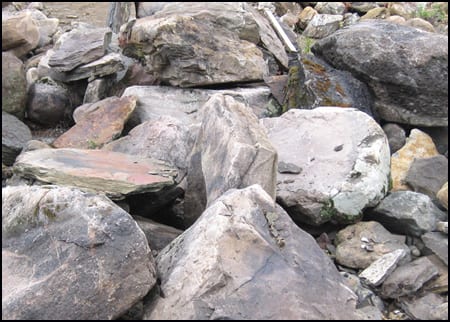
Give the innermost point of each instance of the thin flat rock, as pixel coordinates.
(113, 173)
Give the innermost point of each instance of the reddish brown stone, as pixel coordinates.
(102, 123)
(114, 173)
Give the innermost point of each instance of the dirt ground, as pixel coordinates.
(95, 13)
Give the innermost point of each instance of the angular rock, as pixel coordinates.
(225, 37)
(426, 307)
(407, 279)
(438, 285)
(379, 270)
(80, 244)
(113, 173)
(46, 26)
(78, 47)
(418, 145)
(352, 249)
(438, 243)
(366, 297)
(428, 175)
(14, 85)
(15, 134)
(396, 136)
(100, 125)
(245, 249)
(330, 8)
(166, 139)
(98, 89)
(158, 235)
(306, 16)
(344, 155)
(322, 85)
(20, 33)
(184, 104)
(376, 13)
(409, 78)
(442, 195)
(407, 213)
(231, 151)
(105, 65)
(49, 103)
(322, 26)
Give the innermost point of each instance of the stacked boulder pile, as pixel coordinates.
(226, 161)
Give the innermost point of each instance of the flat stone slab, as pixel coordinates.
(113, 173)
(379, 270)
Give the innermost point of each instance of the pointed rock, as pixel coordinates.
(101, 123)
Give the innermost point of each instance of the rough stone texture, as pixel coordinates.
(406, 69)
(396, 136)
(46, 26)
(420, 24)
(322, 26)
(199, 44)
(20, 33)
(100, 125)
(442, 195)
(15, 134)
(14, 85)
(442, 226)
(438, 243)
(315, 83)
(146, 9)
(439, 284)
(70, 255)
(166, 139)
(428, 175)
(408, 213)
(78, 47)
(377, 13)
(231, 151)
(48, 103)
(158, 235)
(379, 270)
(330, 8)
(352, 251)
(344, 155)
(428, 307)
(105, 65)
(114, 173)
(418, 145)
(184, 104)
(305, 17)
(243, 250)
(98, 89)
(407, 279)
(363, 7)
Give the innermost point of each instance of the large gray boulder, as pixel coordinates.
(245, 259)
(113, 173)
(428, 175)
(197, 44)
(67, 254)
(14, 85)
(408, 213)
(231, 151)
(406, 68)
(342, 156)
(15, 135)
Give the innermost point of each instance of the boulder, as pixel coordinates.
(49, 103)
(225, 37)
(113, 173)
(409, 77)
(166, 138)
(379, 270)
(184, 104)
(68, 254)
(330, 8)
(98, 89)
(15, 135)
(407, 279)
(408, 213)
(46, 26)
(322, 26)
(103, 66)
(20, 34)
(428, 175)
(231, 151)
(306, 16)
(396, 136)
(344, 157)
(158, 235)
(421, 24)
(78, 47)
(437, 242)
(101, 124)
(359, 245)
(418, 145)
(427, 307)
(442, 195)
(14, 85)
(242, 251)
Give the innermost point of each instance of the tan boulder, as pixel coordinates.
(442, 195)
(20, 33)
